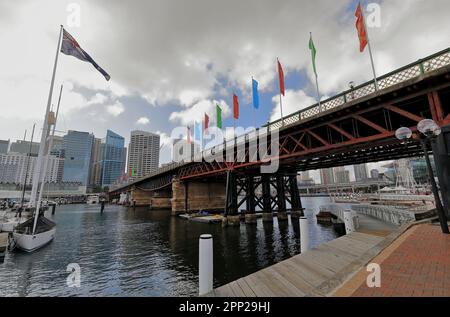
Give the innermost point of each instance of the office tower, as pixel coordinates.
(327, 176)
(143, 154)
(360, 172)
(4, 146)
(77, 163)
(112, 159)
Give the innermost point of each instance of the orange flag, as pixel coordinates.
(361, 28)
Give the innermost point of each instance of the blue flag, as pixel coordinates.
(70, 46)
(197, 132)
(255, 94)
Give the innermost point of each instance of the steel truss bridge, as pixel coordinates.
(354, 127)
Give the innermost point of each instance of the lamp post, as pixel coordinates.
(428, 130)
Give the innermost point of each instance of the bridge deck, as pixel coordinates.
(314, 273)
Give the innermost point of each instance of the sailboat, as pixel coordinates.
(38, 231)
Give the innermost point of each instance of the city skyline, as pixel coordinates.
(184, 86)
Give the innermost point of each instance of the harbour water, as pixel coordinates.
(126, 252)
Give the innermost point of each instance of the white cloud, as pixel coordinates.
(293, 101)
(98, 99)
(197, 112)
(143, 121)
(116, 109)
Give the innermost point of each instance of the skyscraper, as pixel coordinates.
(77, 163)
(143, 153)
(360, 172)
(112, 162)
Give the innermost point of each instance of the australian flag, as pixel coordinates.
(70, 46)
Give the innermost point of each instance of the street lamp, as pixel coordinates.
(428, 130)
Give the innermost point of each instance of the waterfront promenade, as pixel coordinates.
(417, 264)
(414, 261)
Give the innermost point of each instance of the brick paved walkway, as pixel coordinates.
(416, 264)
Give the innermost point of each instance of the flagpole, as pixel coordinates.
(315, 73)
(370, 48)
(37, 171)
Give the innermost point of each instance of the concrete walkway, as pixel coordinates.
(416, 264)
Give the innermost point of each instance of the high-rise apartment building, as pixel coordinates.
(13, 168)
(143, 154)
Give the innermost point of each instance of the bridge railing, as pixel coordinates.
(416, 69)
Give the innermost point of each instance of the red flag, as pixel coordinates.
(281, 77)
(235, 107)
(360, 28)
(188, 135)
(206, 122)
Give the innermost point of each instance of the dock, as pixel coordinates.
(314, 273)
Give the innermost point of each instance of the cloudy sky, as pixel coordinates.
(171, 61)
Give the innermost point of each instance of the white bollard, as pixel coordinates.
(304, 234)
(205, 264)
(348, 221)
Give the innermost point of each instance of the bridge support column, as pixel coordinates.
(250, 215)
(267, 199)
(296, 202)
(231, 205)
(281, 199)
(441, 151)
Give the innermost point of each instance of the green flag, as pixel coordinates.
(313, 53)
(219, 117)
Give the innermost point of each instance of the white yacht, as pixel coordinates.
(93, 199)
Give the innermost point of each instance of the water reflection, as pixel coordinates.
(147, 253)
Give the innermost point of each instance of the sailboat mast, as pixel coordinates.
(28, 166)
(37, 171)
(50, 145)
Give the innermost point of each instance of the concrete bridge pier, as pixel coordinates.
(194, 196)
